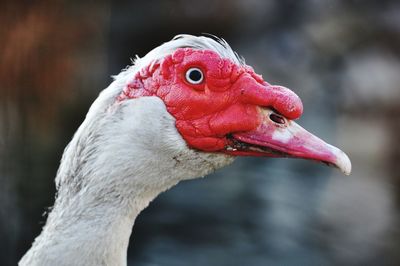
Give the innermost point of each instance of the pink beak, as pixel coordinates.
(277, 136)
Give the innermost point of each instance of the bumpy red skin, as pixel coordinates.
(225, 102)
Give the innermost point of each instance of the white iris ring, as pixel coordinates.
(190, 72)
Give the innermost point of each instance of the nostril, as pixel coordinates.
(277, 118)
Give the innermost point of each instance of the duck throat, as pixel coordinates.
(84, 232)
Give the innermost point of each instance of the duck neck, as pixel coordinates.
(111, 170)
(81, 231)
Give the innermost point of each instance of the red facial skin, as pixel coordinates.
(225, 102)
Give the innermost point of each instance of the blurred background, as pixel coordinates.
(341, 57)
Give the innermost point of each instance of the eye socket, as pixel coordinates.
(194, 75)
(277, 118)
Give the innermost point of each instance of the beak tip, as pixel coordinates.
(343, 162)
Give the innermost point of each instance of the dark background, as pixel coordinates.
(341, 57)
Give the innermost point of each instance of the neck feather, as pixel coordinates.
(119, 160)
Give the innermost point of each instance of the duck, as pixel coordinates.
(187, 108)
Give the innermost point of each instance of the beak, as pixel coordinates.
(277, 136)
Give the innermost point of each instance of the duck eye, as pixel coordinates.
(194, 75)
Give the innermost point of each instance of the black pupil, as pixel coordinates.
(195, 75)
(277, 118)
